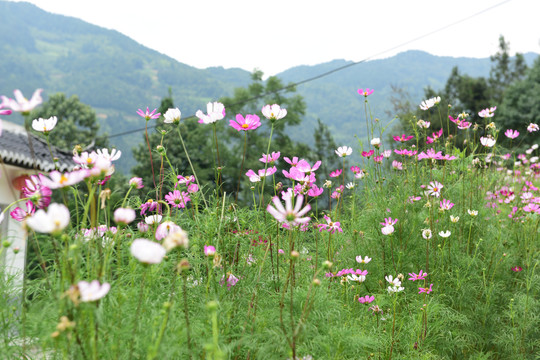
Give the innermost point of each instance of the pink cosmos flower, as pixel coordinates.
(273, 112)
(215, 111)
(166, 228)
(4, 111)
(92, 291)
(292, 162)
(436, 135)
(209, 250)
(250, 122)
(388, 226)
(512, 134)
(315, 191)
(487, 113)
(378, 159)
(21, 104)
(148, 115)
(403, 138)
(336, 173)
(425, 290)
(177, 199)
(420, 276)
(330, 226)
(304, 166)
(405, 152)
(397, 165)
(430, 154)
(532, 127)
(136, 182)
(517, 269)
(149, 205)
(412, 199)
(366, 299)
(270, 158)
(231, 281)
(446, 204)
(461, 124)
(287, 214)
(365, 92)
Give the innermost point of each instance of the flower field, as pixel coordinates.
(419, 246)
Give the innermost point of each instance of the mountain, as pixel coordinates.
(116, 76)
(107, 70)
(334, 98)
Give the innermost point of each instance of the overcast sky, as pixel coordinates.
(279, 34)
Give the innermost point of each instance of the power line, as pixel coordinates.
(316, 77)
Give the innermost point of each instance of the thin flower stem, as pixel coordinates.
(150, 151)
(241, 167)
(261, 200)
(190, 164)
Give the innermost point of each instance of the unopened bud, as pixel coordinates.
(327, 264)
(316, 282)
(183, 265)
(295, 254)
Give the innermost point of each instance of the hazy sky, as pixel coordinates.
(279, 34)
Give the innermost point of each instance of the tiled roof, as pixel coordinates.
(19, 148)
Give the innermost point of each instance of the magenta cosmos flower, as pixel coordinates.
(366, 299)
(425, 290)
(336, 173)
(420, 276)
(148, 115)
(365, 92)
(402, 138)
(250, 122)
(288, 215)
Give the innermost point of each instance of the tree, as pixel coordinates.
(77, 122)
(198, 138)
(520, 106)
(504, 71)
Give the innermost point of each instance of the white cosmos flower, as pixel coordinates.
(54, 220)
(426, 234)
(104, 153)
(44, 125)
(215, 111)
(365, 260)
(376, 142)
(172, 116)
(273, 112)
(147, 252)
(354, 277)
(472, 212)
(445, 234)
(487, 141)
(153, 219)
(343, 151)
(454, 219)
(350, 186)
(124, 215)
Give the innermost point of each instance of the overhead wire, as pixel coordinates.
(340, 68)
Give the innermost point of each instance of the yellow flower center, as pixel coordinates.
(245, 126)
(63, 179)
